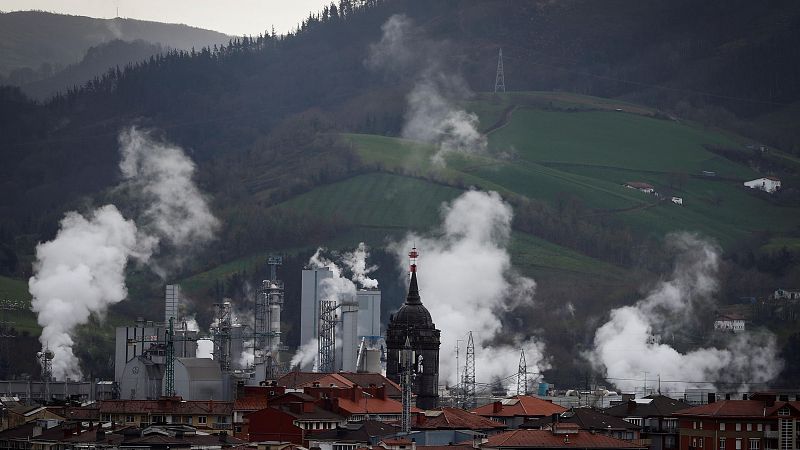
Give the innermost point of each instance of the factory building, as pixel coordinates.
(413, 322)
(310, 296)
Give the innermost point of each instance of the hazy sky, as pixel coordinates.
(236, 17)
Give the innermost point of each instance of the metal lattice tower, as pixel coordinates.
(221, 331)
(169, 375)
(500, 78)
(406, 384)
(470, 401)
(46, 361)
(267, 330)
(522, 375)
(327, 336)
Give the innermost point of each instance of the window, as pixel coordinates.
(783, 411)
(738, 444)
(701, 424)
(159, 419)
(754, 445)
(760, 427)
(738, 426)
(129, 419)
(222, 419)
(669, 441)
(701, 442)
(694, 424)
(722, 426)
(749, 427)
(187, 420)
(202, 420)
(721, 443)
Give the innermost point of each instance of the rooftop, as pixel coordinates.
(546, 439)
(519, 405)
(455, 419)
(658, 406)
(585, 418)
(167, 405)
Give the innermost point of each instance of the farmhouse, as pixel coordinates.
(729, 322)
(677, 200)
(647, 188)
(767, 184)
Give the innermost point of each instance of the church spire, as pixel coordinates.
(413, 291)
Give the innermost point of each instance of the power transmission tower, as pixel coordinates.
(522, 375)
(406, 382)
(469, 376)
(500, 78)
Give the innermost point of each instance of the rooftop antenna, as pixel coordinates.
(470, 401)
(522, 375)
(500, 79)
(412, 258)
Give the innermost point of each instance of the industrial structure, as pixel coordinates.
(155, 359)
(413, 322)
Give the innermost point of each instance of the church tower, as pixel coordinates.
(413, 321)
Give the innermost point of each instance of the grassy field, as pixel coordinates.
(15, 292)
(615, 139)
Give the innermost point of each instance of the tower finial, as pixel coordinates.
(412, 257)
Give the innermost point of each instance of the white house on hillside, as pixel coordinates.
(768, 184)
(729, 322)
(789, 294)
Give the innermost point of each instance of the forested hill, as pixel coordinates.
(728, 63)
(36, 41)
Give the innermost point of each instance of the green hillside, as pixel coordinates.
(567, 145)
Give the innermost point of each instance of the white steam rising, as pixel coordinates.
(466, 281)
(356, 261)
(628, 344)
(82, 271)
(432, 113)
(306, 354)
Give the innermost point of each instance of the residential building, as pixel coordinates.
(357, 405)
(766, 184)
(351, 436)
(208, 415)
(786, 294)
(457, 419)
(591, 420)
(513, 411)
(562, 436)
(729, 322)
(677, 200)
(760, 423)
(289, 418)
(655, 414)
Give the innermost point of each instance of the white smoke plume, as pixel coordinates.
(466, 281)
(160, 175)
(629, 344)
(306, 354)
(81, 272)
(356, 261)
(432, 114)
(205, 347)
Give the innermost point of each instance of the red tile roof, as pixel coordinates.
(546, 439)
(520, 405)
(455, 419)
(371, 405)
(250, 404)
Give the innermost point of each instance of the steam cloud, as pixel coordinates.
(432, 113)
(82, 271)
(466, 282)
(629, 344)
